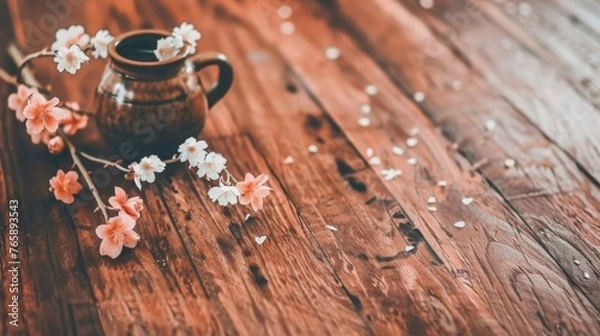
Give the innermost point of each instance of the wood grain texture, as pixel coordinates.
(511, 52)
(198, 270)
(513, 138)
(344, 98)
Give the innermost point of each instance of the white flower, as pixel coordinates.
(189, 35)
(212, 165)
(68, 37)
(144, 171)
(168, 47)
(100, 43)
(224, 194)
(192, 151)
(70, 59)
(390, 174)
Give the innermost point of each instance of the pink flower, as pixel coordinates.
(129, 209)
(42, 137)
(253, 191)
(18, 100)
(41, 113)
(116, 233)
(65, 186)
(56, 145)
(73, 122)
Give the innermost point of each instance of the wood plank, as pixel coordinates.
(324, 197)
(584, 13)
(521, 76)
(315, 187)
(197, 272)
(244, 277)
(294, 50)
(556, 42)
(44, 248)
(461, 118)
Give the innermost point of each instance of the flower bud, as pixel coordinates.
(56, 145)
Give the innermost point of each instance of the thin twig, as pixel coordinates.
(84, 173)
(29, 58)
(105, 162)
(174, 159)
(230, 176)
(18, 58)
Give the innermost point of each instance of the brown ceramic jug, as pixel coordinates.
(154, 105)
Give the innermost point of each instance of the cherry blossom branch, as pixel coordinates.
(230, 176)
(18, 58)
(174, 159)
(105, 162)
(43, 53)
(116, 164)
(84, 173)
(69, 56)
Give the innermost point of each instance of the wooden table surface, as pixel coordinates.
(526, 263)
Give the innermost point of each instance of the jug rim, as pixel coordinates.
(131, 66)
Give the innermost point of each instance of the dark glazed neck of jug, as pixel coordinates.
(132, 55)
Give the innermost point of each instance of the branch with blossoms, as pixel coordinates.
(53, 123)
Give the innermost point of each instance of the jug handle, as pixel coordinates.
(223, 83)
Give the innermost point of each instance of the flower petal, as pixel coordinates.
(246, 199)
(127, 222)
(110, 248)
(262, 191)
(137, 181)
(73, 187)
(214, 193)
(131, 239)
(34, 126)
(120, 195)
(262, 179)
(71, 175)
(257, 203)
(102, 231)
(50, 123)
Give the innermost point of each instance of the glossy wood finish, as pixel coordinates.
(527, 262)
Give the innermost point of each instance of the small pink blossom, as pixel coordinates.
(18, 100)
(253, 190)
(73, 122)
(56, 145)
(42, 114)
(65, 186)
(115, 234)
(129, 208)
